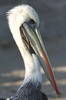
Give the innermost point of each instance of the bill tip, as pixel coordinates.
(59, 94)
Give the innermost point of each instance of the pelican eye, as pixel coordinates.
(31, 21)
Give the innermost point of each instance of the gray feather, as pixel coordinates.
(30, 91)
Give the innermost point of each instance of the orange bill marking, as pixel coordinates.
(50, 72)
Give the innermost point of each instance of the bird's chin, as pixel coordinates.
(26, 40)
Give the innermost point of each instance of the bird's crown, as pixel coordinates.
(20, 14)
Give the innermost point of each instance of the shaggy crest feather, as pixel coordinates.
(20, 14)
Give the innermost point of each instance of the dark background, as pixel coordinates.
(52, 14)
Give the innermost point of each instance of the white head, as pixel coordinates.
(20, 14)
(17, 17)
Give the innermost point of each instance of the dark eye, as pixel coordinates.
(32, 21)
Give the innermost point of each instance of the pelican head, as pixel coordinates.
(24, 25)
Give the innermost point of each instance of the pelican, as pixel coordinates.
(24, 25)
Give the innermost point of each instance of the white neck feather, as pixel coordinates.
(32, 69)
(32, 66)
